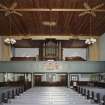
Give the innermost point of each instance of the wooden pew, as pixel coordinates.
(7, 93)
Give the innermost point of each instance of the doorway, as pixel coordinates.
(74, 78)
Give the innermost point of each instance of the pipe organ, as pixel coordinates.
(51, 49)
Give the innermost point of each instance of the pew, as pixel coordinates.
(94, 93)
(7, 93)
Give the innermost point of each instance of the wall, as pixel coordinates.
(70, 52)
(1, 77)
(102, 47)
(26, 52)
(5, 50)
(93, 51)
(83, 76)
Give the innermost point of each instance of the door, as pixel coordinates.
(74, 79)
(37, 80)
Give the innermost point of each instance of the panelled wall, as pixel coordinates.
(53, 66)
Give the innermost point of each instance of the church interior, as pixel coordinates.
(52, 52)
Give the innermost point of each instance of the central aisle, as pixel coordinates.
(50, 96)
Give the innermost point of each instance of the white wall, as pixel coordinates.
(84, 77)
(70, 52)
(102, 47)
(26, 52)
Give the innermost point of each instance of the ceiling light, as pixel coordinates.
(49, 23)
(90, 41)
(10, 41)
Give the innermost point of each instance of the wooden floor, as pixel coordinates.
(50, 96)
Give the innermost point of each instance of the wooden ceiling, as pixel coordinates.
(67, 22)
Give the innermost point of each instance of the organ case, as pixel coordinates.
(51, 49)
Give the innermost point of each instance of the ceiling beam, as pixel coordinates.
(53, 10)
(41, 37)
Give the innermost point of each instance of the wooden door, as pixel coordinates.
(63, 80)
(37, 80)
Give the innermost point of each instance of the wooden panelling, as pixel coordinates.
(61, 82)
(23, 59)
(73, 43)
(76, 58)
(67, 22)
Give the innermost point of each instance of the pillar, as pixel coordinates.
(32, 80)
(68, 80)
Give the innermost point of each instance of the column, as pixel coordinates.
(26, 80)
(68, 80)
(32, 80)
